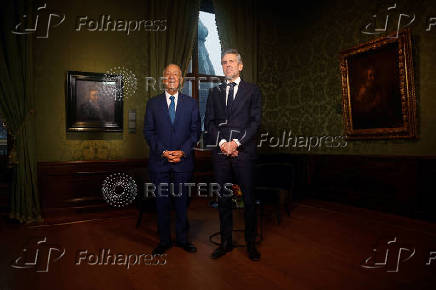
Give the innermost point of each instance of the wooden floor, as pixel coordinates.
(320, 246)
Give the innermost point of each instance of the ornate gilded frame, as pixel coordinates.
(406, 88)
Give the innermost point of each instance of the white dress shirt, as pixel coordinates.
(235, 90)
(176, 97)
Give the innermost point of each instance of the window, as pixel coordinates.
(204, 71)
(209, 46)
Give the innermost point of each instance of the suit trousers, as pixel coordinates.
(174, 190)
(241, 167)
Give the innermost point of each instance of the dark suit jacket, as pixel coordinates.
(241, 121)
(161, 135)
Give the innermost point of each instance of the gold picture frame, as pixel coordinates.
(378, 89)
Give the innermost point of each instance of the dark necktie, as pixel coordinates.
(172, 109)
(230, 97)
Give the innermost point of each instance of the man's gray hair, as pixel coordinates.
(232, 51)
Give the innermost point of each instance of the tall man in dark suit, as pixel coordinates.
(171, 128)
(233, 114)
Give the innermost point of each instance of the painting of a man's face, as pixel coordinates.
(93, 95)
(375, 93)
(94, 102)
(378, 93)
(370, 77)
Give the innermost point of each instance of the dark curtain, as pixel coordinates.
(174, 45)
(16, 104)
(238, 28)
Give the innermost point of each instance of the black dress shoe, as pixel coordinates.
(222, 250)
(188, 247)
(160, 249)
(253, 253)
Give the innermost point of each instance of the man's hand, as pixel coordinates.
(177, 153)
(223, 148)
(232, 147)
(173, 156)
(174, 159)
(229, 147)
(166, 154)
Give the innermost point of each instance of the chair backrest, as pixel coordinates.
(275, 175)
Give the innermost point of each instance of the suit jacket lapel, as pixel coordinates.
(222, 94)
(164, 107)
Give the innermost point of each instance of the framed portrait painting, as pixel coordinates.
(94, 102)
(378, 90)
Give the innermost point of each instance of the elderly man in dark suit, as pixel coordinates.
(172, 129)
(233, 115)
